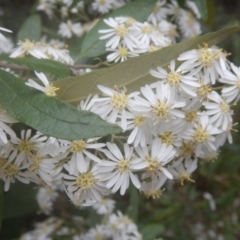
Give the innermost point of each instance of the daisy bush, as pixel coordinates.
(104, 103)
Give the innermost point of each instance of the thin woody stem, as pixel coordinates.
(13, 66)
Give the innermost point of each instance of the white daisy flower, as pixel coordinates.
(159, 106)
(140, 127)
(219, 111)
(43, 165)
(11, 169)
(168, 29)
(87, 182)
(152, 189)
(47, 7)
(45, 197)
(61, 55)
(177, 78)
(147, 33)
(193, 7)
(98, 232)
(119, 168)
(79, 148)
(170, 132)
(226, 135)
(28, 48)
(160, 155)
(113, 106)
(102, 6)
(190, 27)
(121, 53)
(202, 134)
(48, 89)
(231, 93)
(105, 206)
(28, 144)
(181, 171)
(69, 29)
(119, 31)
(160, 12)
(205, 58)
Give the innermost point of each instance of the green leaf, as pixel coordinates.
(47, 114)
(151, 231)
(134, 72)
(41, 65)
(93, 47)
(134, 204)
(1, 203)
(202, 7)
(31, 29)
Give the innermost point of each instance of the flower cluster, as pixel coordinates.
(53, 50)
(168, 126)
(127, 37)
(114, 226)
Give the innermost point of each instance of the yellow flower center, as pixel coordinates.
(122, 52)
(130, 21)
(85, 180)
(147, 30)
(187, 148)
(78, 146)
(173, 79)
(119, 100)
(124, 220)
(50, 91)
(153, 48)
(190, 19)
(102, 2)
(123, 165)
(238, 83)
(99, 236)
(3, 162)
(121, 31)
(224, 107)
(27, 45)
(167, 138)
(184, 176)
(201, 135)
(190, 116)
(153, 193)
(25, 146)
(153, 164)
(11, 170)
(203, 90)
(161, 110)
(172, 32)
(206, 57)
(138, 120)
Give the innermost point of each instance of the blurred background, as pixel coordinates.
(209, 208)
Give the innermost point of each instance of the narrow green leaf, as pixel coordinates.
(41, 65)
(93, 47)
(49, 115)
(31, 29)
(134, 204)
(202, 7)
(134, 72)
(1, 203)
(151, 231)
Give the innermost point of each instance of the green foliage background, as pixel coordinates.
(176, 213)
